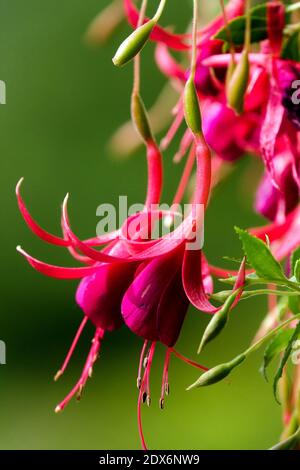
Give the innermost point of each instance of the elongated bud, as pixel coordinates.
(192, 111)
(140, 117)
(218, 373)
(238, 84)
(133, 44)
(218, 322)
(229, 73)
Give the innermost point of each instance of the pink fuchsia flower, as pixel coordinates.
(106, 277)
(278, 201)
(129, 281)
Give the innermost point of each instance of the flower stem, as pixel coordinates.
(194, 40)
(137, 59)
(248, 26)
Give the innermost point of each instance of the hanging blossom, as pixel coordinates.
(231, 103)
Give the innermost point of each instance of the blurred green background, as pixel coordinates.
(64, 100)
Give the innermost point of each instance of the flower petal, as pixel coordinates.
(99, 256)
(171, 311)
(58, 272)
(34, 227)
(192, 276)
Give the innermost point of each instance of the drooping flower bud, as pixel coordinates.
(133, 44)
(237, 86)
(140, 117)
(229, 73)
(192, 111)
(218, 373)
(218, 321)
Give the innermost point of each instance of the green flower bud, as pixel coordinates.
(218, 373)
(140, 117)
(237, 86)
(133, 44)
(230, 70)
(192, 111)
(218, 321)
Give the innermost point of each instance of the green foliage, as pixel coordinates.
(260, 256)
(284, 359)
(275, 347)
(237, 30)
(291, 48)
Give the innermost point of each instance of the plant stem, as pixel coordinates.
(194, 40)
(137, 59)
(257, 345)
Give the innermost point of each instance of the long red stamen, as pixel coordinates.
(188, 361)
(72, 349)
(86, 372)
(165, 381)
(148, 370)
(139, 377)
(141, 393)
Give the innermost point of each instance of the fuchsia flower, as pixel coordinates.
(148, 284)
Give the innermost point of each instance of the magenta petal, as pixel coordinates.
(139, 305)
(100, 295)
(271, 126)
(267, 198)
(171, 311)
(192, 276)
(291, 240)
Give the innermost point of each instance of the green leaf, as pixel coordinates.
(284, 359)
(259, 11)
(295, 257)
(275, 347)
(291, 48)
(260, 256)
(238, 27)
(297, 270)
(294, 304)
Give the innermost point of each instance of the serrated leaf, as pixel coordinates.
(291, 48)
(238, 27)
(275, 347)
(260, 256)
(284, 359)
